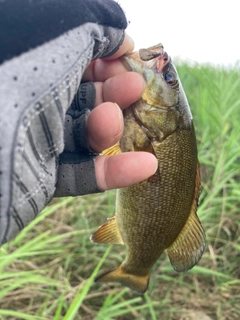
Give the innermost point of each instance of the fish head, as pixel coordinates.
(160, 74)
(163, 106)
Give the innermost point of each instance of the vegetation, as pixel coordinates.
(47, 272)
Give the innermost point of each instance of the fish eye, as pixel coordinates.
(170, 78)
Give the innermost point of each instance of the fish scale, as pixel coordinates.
(159, 213)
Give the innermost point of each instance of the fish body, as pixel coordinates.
(158, 213)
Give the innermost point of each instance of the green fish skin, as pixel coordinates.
(159, 213)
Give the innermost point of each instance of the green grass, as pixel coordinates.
(47, 272)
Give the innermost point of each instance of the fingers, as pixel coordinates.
(124, 169)
(105, 122)
(127, 46)
(105, 126)
(102, 69)
(124, 89)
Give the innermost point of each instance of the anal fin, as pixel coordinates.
(108, 233)
(188, 247)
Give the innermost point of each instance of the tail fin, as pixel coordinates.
(135, 282)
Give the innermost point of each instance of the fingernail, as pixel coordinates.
(120, 117)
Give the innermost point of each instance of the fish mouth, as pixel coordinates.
(163, 62)
(155, 57)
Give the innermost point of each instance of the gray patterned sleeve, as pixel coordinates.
(38, 83)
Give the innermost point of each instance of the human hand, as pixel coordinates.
(105, 122)
(41, 76)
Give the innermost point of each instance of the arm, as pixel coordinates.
(47, 46)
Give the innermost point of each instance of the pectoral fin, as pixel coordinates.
(135, 282)
(108, 233)
(189, 246)
(115, 149)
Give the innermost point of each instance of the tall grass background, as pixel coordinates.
(47, 271)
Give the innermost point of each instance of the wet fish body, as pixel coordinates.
(159, 213)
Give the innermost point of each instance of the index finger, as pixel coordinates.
(102, 69)
(126, 46)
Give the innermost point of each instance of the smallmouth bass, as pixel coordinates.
(159, 213)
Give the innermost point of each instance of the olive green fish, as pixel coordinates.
(159, 213)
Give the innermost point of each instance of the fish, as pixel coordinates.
(160, 213)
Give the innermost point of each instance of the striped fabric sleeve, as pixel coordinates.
(45, 48)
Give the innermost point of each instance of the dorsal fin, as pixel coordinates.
(108, 233)
(189, 246)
